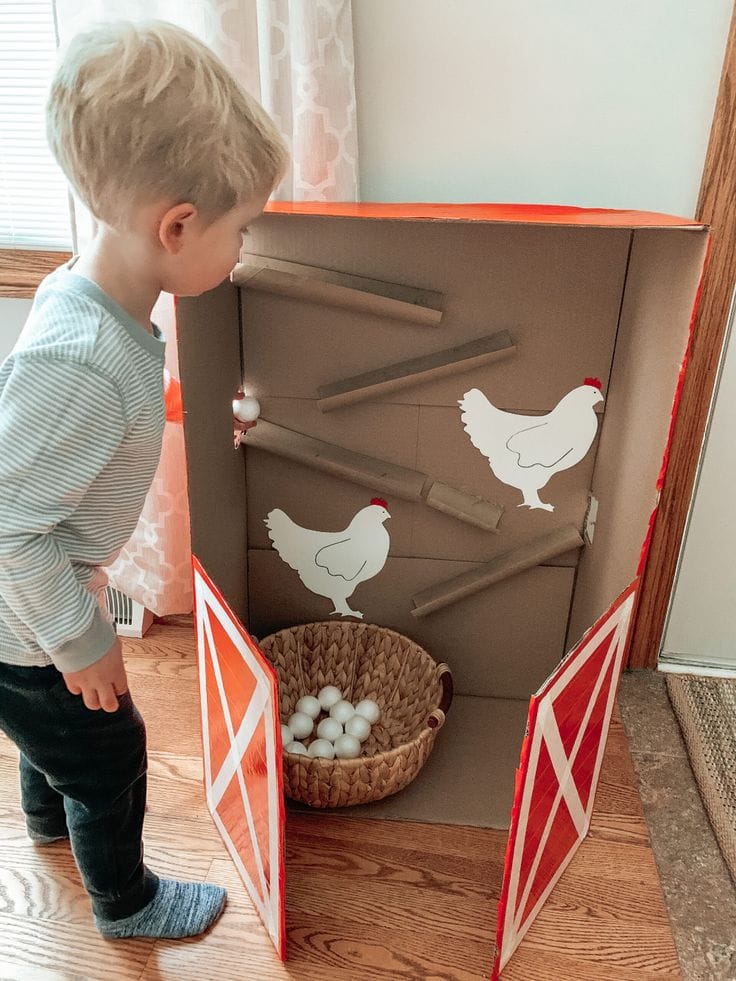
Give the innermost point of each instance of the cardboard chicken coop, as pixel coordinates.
(499, 380)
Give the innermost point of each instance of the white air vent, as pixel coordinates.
(131, 619)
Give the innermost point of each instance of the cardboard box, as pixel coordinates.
(335, 299)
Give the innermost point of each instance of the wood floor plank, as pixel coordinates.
(20, 972)
(75, 951)
(335, 952)
(155, 666)
(165, 640)
(532, 963)
(199, 841)
(41, 884)
(44, 883)
(170, 707)
(175, 786)
(311, 851)
(478, 843)
(410, 909)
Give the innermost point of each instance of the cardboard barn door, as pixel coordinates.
(558, 774)
(561, 758)
(242, 752)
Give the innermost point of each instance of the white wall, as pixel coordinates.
(702, 621)
(13, 315)
(598, 104)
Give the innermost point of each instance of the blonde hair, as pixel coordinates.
(145, 112)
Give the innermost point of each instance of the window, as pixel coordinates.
(34, 202)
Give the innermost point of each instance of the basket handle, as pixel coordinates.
(438, 716)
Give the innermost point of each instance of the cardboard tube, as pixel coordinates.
(388, 478)
(372, 384)
(319, 285)
(465, 507)
(502, 567)
(379, 475)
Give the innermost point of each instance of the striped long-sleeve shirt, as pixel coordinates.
(81, 423)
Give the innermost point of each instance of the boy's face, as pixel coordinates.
(207, 253)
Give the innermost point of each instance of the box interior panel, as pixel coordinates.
(501, 642)
(513, 278)
(577, 302)
(664, 273)
(468, 779)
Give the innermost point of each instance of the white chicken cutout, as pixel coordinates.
(526, 451)
(333, 564)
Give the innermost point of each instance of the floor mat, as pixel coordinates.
(706, 711)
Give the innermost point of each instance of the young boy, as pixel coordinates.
(173, 159)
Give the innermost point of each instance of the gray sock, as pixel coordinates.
(179, 909)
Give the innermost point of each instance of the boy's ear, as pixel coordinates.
(174, 225)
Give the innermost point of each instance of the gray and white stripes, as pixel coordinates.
(81, 422)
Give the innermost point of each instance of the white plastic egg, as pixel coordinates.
(309, 705)
(329, 696)
(329, 729)
(359, 727)
(342, 711)
(246, 409)
(323, 748)
(301, 725)
(299, 748)
(369, 710)
(287, 736)
(347, 747)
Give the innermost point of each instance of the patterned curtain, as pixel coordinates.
(308, 87)
(296, 58)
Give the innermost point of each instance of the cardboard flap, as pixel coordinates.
(242, 752)
(558, 773)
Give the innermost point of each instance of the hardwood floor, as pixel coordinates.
(365, 899)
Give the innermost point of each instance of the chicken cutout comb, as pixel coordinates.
(595, 382)
(380, 502)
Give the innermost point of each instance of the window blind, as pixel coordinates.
(34, 203)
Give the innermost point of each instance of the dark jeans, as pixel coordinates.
(82, 773)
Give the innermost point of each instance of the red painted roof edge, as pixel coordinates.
(533, 214)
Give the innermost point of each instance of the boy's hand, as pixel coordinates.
(101, 683)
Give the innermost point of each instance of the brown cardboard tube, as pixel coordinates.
(502, 567)
(372, 384)
(463, 506)
(379, 475)
(319, 285)
(388, 478)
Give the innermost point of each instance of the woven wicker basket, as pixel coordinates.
(364, 661)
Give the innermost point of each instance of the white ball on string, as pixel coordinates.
(246, 409)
